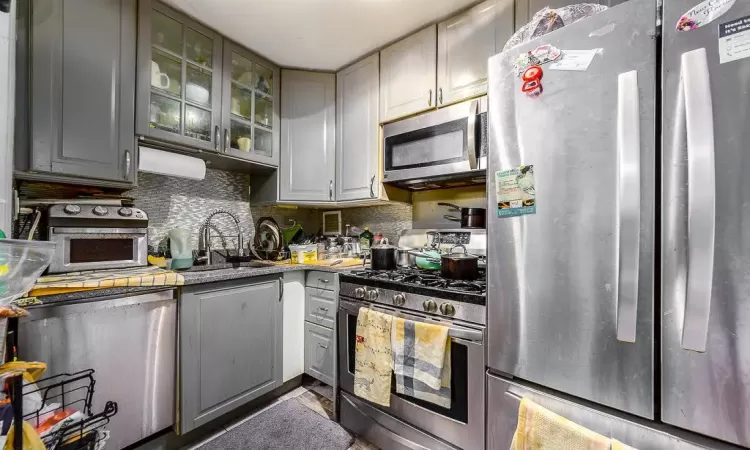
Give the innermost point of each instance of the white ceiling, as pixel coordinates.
(317, 34)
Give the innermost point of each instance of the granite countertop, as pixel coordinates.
(198, 275)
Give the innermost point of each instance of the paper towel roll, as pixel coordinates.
(173, 164)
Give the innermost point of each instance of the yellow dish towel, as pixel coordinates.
(421, 360)
(541, 429)
(372, 357)
(617, 445)
(102, 279)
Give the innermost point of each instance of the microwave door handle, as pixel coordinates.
(471, 139)
(628, 203)
(695, 86)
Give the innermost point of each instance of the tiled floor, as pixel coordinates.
(314, 395)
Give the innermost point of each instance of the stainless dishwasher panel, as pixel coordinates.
(129, 341)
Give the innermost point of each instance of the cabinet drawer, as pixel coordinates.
(319, 352)
(321, 280)
(320, 307)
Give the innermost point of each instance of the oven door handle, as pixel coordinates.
(453, 331)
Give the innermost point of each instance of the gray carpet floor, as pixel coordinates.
(288, 425)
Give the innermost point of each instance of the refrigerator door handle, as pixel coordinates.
(695, 86)
(628, 205)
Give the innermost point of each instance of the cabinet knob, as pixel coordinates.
(127, 164)
(372, 186)
(429, 99)
(226, 140)
(440, 96)
(217, 138)
(330, 190)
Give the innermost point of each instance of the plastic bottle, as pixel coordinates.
(365, 239)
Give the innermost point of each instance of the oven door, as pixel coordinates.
(461, 425)
(97, 248)
(445, 144)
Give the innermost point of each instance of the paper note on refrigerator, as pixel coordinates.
(734, 40)
(516, 191)
(577, 60)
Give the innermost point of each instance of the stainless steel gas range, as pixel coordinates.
(423, 296)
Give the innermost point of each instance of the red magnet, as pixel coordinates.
(532, 77)
(532, 73)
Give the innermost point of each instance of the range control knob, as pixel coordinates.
(372, 295)
(447, 309)
(399, 299)
(359, 293)
(429, 306)
(100, 210)
(72, 209)
(125, 212)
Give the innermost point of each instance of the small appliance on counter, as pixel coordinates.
(89, 237)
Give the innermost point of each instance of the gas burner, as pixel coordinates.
(421, 277)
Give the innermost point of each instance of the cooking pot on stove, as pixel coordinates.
(384, 256)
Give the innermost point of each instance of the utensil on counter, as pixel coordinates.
(470, 217)
(180, 248)
(267, 243)
(383, 256)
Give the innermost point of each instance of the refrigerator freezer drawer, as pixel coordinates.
(504, 397)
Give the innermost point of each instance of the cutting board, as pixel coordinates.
(346, 262)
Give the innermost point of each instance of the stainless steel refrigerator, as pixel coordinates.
(619, 230)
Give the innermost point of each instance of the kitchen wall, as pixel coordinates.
(428, 214)
(177, 202)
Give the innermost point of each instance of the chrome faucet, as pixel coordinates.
(207, 234)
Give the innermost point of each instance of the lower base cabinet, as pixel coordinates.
(319, 352)
(230, 346)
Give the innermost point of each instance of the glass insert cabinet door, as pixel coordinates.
(250, 119)
(180, 73)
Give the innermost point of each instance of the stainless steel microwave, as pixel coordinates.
(443, 147)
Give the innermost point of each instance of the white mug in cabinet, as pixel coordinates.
(245, 144)
(158, 79)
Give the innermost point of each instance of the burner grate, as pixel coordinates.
(421, 277)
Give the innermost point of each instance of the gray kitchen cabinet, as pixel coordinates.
(179, 78)
(230, 346)
(81, 88)
(320, 307)
(250, 106)
(465, 43)
(307, 169)
(357, 131)
(319, 352)
(407, 75)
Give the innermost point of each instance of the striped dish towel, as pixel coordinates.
(421, 355)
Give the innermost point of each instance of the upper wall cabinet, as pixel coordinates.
(179, 78)
(198, 90)
(307, 171)
(82, 88)
(465, 43)
(409, 68)
(357, 131)
(250, 107)
(407, 75)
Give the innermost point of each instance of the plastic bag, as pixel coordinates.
(547, 20)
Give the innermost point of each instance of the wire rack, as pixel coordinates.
(59, 396)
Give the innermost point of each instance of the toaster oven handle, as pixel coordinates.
(471, 138)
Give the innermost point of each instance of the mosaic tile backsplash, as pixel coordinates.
(180, 203)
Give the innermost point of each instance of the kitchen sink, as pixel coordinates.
(228, 265)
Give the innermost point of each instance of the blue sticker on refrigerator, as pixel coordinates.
(515, 190)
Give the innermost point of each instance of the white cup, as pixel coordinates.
(158, 79)
(244, 143)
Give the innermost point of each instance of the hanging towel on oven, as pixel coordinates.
(540, 429)
(421, 360)
(372, 357)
